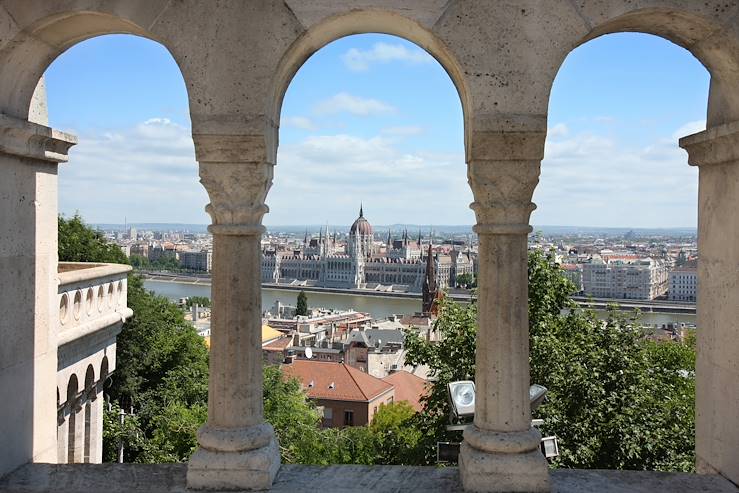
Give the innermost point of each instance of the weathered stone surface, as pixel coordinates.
(237, 59)
(170, 478)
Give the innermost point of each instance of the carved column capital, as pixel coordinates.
(236, 171)
(716, 145)
(503, 172)
(23, 138)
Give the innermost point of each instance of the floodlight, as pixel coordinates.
(462, 398)
(537, 393)
(549, 447)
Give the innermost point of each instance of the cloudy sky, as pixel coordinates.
(373, 118)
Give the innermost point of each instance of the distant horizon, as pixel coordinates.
(402, 225)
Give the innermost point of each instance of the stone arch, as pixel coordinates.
(364, 22)
(89, 395)
(104, 370)
(29, 49)
(715, 45)
(72, 388)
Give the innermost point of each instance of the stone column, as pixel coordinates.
(237, 449)
(500, 452)
(29, 156)
(716, 153)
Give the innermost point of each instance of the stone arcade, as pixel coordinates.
(237, 58)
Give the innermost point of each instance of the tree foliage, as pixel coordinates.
(302, 306)
(616, 400)
(466, 280)
(198, 300)
(78, 242)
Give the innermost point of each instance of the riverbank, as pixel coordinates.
(645, 306)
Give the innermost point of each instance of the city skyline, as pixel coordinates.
(356, 125)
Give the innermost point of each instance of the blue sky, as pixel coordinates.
(374, 118)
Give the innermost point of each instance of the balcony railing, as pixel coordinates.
(91, 298)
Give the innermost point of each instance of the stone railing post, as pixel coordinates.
(716, 153)
(29, 157)
(238, 450)
(500, 451)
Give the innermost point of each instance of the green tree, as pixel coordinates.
(139, 261)
(397, 436)
(78, 242)
(198, 300)
(302, 306)
(466, 281)
(616, 400)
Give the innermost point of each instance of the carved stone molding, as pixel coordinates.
(31, 140)
(503, 191)
(237, 194)
(716, 145)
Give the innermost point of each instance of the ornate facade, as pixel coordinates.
(322, 262)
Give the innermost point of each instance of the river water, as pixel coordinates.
(375, 306)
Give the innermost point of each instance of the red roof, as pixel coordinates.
(278, 344)
(408, 387)
(349, 384)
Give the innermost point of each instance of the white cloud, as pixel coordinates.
(146, 173)
(360, 60)
(406, 131)
(559, 130)
(346, 103)
(325, 177)
(300, 122)
(688, 129)
(591, 179)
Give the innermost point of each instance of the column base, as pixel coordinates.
(517, 466)
(233, 470)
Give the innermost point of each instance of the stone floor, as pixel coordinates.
(170, 478)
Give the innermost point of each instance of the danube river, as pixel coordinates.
(378, 307)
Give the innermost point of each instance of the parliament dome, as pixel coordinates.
(361, 226)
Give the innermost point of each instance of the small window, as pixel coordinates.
(348, 418)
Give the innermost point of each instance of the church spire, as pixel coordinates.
(361, 210)
(429, 283)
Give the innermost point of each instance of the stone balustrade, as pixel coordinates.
(91, 298)
(92, 309)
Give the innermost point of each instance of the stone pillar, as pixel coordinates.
(29, 155)
(96, 442)
(716, 153)
(238, 450)
(61, 435)
(500, 452)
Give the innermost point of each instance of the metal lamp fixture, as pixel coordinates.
(462, 398)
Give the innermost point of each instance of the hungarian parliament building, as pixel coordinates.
(399, 264)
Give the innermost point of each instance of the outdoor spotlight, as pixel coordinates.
(549, 447)
(537, 393)
(462, 397)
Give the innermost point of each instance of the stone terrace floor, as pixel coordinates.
(166, 478)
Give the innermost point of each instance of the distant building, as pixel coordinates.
(683, 284)
(624, 277)
(573, 272)
(360, 264)
(348, 396)
(197, 261)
